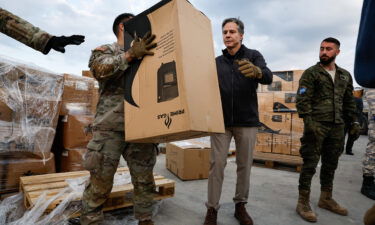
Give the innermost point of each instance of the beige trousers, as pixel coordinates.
(245, 138)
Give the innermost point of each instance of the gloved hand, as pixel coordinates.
(248, 69)
(355, 130)
(59, 43)
(142, 46)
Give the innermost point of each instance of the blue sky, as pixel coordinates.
(287, 32)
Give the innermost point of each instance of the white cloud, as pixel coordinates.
(287, 33)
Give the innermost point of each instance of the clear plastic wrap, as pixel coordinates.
(12, 211)
(80, 95)
(30, 98)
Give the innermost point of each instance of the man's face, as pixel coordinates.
(328, 52)
(231, 37)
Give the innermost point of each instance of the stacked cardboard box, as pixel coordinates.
(79, 102)
(281, 128)
(30, 100)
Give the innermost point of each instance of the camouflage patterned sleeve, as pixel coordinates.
(349, 106)
(305, 93)
(105, 63)
(23, 31)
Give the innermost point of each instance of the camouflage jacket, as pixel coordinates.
(107, 65)
(23, 31)
(370, 98)
(323, 99)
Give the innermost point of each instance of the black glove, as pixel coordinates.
(59, 43)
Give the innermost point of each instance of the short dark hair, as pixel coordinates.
(239, 23)
(332, 40)
(119, 19)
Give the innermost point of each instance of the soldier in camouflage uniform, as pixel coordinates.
(368, 186)
(324, 100)
(23, 31)
(107, 64)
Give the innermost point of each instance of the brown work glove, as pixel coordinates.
(355, 130)
(248, 69)
(141, 46)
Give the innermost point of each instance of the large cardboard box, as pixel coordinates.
(78, 96)
(174, 94)
(72, 159)
(283, 81)
(76, 130)
(281, 143)
(25, 138)
(263, 142)
(284, 101)
(15, 165)
(297, 124)
(188, 160)
(280, 123)
(265, 101)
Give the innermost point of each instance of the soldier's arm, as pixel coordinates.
(23, 31)
(103, 64)
(305, 93)
(266, 72)
(349, 105)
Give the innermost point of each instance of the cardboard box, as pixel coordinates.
(87, 73)
(296, 144)
(265, 101)
(297, 124)
(281, 143)
(6, 114)
(263, 142)
(76, 131)
(284, 102)
(78, 95)
(279, 123)
(14, 166)
(188, 160)
(170, 97)
(25, 138)
(283, 81)
(297, 74)
(71, 159)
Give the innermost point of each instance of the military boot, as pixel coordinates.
(211, 217)
(146, 222)
(368, 187)
(241, 214)
(303, 206)
(327, 202)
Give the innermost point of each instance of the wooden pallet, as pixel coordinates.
(52, 184)
(273, 160)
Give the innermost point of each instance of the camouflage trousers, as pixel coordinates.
(369, 161)
(102, 158)
(326, 142)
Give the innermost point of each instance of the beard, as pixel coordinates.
(327, 60)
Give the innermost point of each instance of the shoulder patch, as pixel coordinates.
(302, 90)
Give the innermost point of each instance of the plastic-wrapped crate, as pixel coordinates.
(30, 100)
